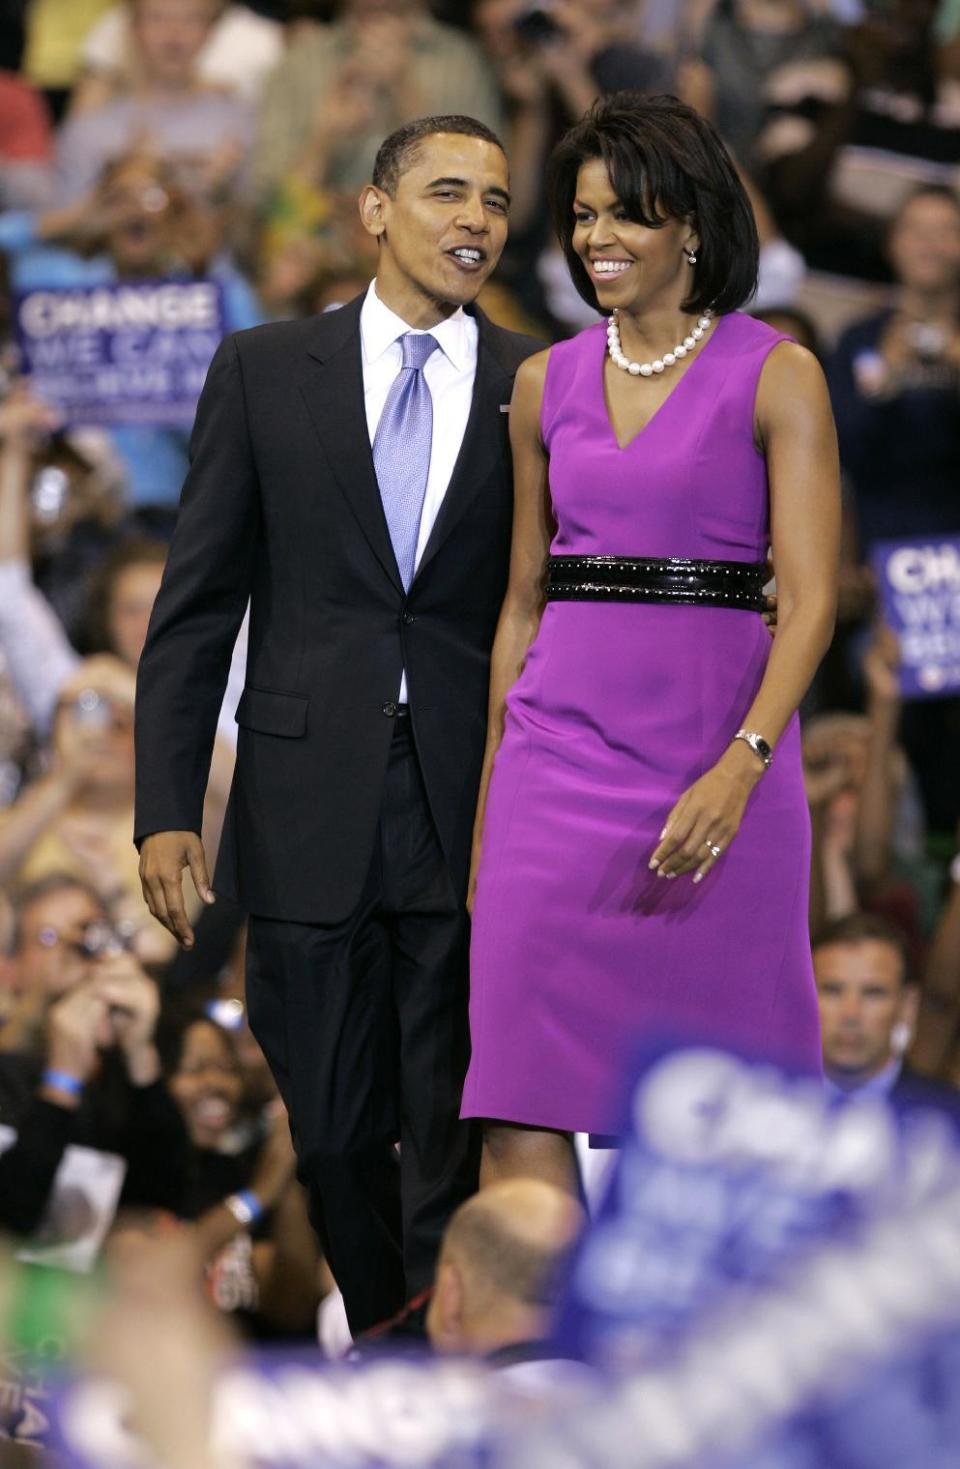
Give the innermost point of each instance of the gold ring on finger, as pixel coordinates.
(713, 849)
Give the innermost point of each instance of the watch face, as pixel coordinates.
(763, 748)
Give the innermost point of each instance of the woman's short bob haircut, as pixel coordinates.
(665, 162)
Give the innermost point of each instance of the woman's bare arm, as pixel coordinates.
(794, 426)
(532, 533)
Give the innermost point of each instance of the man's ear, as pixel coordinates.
(374, 204)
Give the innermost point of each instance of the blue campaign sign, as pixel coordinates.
(772, 1282)
(133, 352)
(919, 586)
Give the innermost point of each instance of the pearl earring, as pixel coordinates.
(691, 257)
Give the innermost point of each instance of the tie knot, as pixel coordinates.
(417, 347)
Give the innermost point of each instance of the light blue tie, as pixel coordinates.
(401, 450)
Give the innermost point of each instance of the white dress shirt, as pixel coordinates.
(449, 374)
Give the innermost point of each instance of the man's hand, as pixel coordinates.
(163, 857)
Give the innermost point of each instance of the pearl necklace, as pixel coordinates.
(647, 369)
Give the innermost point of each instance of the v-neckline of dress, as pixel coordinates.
(605, 406)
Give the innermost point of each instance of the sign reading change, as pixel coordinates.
(919, 584)
(121, 354)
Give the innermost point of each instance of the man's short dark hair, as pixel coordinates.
(665, 162)
(400, 151)
(867, 928)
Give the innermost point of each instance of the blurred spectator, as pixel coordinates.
(59, 508)
(238, 51)
(26, 146)
(138, 224)
(894, 381)
(868, 830)
(345, 86)
(766, 74)
(47, 952)
(898, 126)
(868, 1008)
(249, 1212)
(78, 817)
(117, 598)
(501, 1268)
(936, 1051)
(91, 1073)
(201, 133)
(55, 30)
(551, 61)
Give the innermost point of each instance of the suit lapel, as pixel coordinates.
(332, 387)
(482, 442)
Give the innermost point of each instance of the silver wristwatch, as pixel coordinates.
(240, 1209)
(757, 744)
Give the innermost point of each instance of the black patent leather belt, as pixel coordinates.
(656, 579)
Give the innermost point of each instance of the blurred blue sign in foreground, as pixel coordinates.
(919, 586)
(134, 352)
(773, 1282)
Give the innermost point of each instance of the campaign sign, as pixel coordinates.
(919, 584)
(286, 1411)
(773, 1281)
(133, 352)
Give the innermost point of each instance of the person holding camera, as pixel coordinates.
(78, 1060)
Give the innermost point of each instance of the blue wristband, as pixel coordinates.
(62, 1081)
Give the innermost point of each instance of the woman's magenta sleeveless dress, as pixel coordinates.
(579, 951)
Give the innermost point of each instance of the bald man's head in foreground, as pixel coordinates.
(501, 1264)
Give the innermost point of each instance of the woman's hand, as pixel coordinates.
(707, 816)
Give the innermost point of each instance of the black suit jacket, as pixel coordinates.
(281, 505)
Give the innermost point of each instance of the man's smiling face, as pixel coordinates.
(443, 229)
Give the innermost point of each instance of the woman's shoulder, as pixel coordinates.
(745, 333)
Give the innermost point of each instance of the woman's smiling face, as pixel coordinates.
(630, 266)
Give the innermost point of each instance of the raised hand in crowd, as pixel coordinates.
(880, 788)
(936, 1047)
(78, 1029)
(134, 1004)
(170, 1372)
(26, 421)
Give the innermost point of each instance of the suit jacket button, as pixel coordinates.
(390, 709)
(408, 617)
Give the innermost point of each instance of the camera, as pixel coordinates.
(537, 25)
(99, 938)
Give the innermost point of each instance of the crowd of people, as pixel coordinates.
(202, 139)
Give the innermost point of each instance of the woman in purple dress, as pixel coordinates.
(642, 840)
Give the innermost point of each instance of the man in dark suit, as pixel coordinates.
(350, 475)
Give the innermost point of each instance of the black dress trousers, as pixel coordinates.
(364, 1024)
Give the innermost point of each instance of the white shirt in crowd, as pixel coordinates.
(242, 50)
(449, 374)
